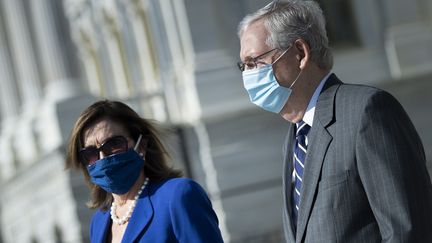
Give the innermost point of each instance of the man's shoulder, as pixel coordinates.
(357, 99)
(359, 89)
(347, 91)
(360, 94)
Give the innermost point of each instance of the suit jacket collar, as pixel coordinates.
(319, 141)
(324, 110)
(287, 184)
(141, 217)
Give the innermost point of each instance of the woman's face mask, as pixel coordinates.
(118, 172)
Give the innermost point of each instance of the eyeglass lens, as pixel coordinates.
(114, 145)
(252, 63)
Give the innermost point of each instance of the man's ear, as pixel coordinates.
(303, 52)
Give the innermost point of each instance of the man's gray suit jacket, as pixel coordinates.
(365, 176)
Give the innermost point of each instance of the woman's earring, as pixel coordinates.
(141, 155)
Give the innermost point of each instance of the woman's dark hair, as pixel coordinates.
(156, 157)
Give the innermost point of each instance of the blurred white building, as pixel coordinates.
(173, 61)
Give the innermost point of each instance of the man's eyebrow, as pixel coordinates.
(248, 58)
(251, 56)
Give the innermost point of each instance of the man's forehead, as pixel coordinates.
(253, 39)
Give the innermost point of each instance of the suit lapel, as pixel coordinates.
(103, 222)
(141, 217)
(313, 165)
(287, 184)
(319, 142)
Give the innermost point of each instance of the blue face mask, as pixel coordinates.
(263, 88)
(117, 173)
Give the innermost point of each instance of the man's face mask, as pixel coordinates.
(263, 88)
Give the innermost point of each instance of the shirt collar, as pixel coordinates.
(310, 110)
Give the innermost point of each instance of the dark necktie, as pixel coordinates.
(299, 159)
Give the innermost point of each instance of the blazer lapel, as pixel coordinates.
(319, 142)
(103, 222)
(141, 217)
(287, 184)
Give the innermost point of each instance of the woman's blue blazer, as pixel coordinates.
(174, 210)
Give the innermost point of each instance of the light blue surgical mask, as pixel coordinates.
(263, 88)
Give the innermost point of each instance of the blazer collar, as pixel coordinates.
(141, 217)
(320, 140)
(103, 223)
(324, 110)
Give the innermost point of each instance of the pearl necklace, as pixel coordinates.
(127, 216)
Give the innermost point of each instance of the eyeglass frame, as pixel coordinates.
(241, 65)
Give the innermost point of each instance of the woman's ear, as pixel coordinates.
(143, 148)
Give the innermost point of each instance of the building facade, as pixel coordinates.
(174, 62)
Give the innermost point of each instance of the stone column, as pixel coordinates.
(9, 102)
(84, 35)
(214, 71)
(405, 30)
(136, 12)
(8, 93)
(22, 52)
(108, 20)
(60, 85)
(44, 19)
(182, 82)
(27, 75)
(171, 26)
(149, 80)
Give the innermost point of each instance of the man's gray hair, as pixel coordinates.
(288, 21)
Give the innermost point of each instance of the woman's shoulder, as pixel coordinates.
(178, 187)
(177, 183)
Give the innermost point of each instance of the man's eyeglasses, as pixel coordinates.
(114, 145)
(252, 62)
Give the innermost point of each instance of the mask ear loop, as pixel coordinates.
(283, 53)
(138, 142)
(290, 87)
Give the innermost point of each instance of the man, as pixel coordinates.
(355, 167)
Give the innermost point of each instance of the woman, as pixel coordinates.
(138, 197)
